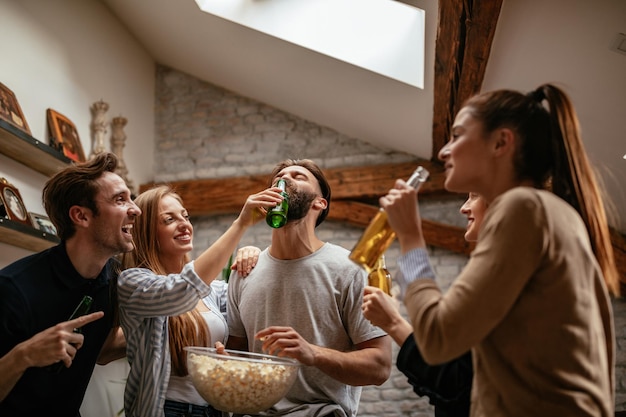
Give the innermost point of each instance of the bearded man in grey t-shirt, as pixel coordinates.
(303, 299)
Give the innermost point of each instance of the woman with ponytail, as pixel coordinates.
(533, 302)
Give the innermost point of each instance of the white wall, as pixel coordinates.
(66, 55)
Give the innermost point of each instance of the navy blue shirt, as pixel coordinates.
(37, 292)
(448, 386)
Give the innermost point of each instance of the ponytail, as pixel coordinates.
(574, 180)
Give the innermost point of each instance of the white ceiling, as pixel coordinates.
(563, 41)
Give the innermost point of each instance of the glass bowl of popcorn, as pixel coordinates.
(240, 382)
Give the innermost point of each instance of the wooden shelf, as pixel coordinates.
(25, 237)
(23, 148)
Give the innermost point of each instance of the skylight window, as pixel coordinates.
(383, 36)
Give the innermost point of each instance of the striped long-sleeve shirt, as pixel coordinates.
(146, 300)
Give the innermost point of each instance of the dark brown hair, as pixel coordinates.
(75, 185)
(551, 154)
(317, 173)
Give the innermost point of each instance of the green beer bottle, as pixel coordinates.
(277, 216)
(82, 309)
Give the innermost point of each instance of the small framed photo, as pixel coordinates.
(43, 223)
(12, 206)
(64, 136)
(10, 109)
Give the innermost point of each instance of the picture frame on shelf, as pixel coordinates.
(10, 109)
(43, 223)
(64, 136)
(11, 204)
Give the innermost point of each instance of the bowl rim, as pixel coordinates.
(253, 356)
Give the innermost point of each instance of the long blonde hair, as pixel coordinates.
(189, 329)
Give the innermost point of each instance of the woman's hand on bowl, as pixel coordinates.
(220, 348)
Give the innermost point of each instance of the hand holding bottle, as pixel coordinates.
(401, 206)
(257, 205)
(380, 233)
(277, 216)
(383, 311)
(81, 310)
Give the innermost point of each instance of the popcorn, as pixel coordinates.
(240, 386)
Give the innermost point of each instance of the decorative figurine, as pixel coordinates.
(99, 127)
(118, 139)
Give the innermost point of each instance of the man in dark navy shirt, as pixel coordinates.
(92, 210)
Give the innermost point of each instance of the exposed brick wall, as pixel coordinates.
(204, 131)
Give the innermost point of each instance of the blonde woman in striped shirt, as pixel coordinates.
(168, 301)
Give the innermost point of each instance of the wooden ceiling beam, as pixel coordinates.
(351, 189)
(465, 33)
(210, 196)
(437, 234)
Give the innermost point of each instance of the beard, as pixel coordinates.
(299, 203)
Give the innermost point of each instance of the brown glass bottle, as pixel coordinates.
(380, 276)
(378, 235)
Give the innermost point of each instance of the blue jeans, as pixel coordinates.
(176, 409)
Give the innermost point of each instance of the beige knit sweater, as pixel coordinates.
(532, 305)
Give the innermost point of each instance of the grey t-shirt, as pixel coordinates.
(320, 296)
